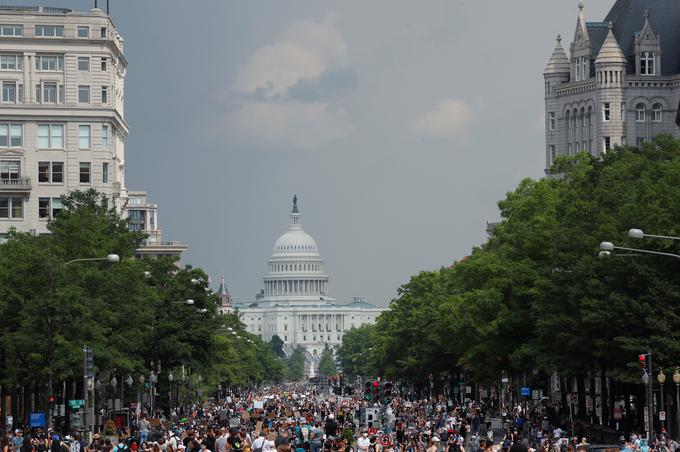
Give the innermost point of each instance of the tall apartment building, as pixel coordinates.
(62, 125)
(619, 85)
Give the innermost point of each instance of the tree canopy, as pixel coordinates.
(536, 296)
(53, 303)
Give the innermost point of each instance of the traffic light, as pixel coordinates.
(386, 394)
(89, 362)
(367, 391)
(376, 390)
(52, 399)
(642, 361)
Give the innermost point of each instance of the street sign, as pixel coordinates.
(504, 380)
(77, 403)
(662, 415)
(385, 440)
(37, 419)
(525, 391)
(75, 420)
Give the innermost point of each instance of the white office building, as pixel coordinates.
(62, 125)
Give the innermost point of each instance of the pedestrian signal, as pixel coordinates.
(386, 393)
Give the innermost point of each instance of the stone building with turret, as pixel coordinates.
(620, 83)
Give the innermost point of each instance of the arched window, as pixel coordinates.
(574, 117)
(640, 112)
(656, 113)
(568, 118)
(583, 116)
(590, 115)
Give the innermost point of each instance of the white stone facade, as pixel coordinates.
(294, 304)
(62, 76)
(615, 88)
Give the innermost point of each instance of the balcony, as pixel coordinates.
(16, 185)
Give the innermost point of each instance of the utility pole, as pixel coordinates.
(650, 398)
(88, 374)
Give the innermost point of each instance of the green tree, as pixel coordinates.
(327, 362)
(535, 297)
(276, 345)
(296, 364)
(356, 351)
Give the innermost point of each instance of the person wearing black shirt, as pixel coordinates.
(331, 426)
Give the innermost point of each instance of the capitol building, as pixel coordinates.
(295, 304)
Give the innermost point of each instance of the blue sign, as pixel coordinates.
(37, 420)
(525, 391)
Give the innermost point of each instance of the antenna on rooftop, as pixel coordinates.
(107, 8)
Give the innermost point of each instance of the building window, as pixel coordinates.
(11, 135)
(10, 169)
(640, 112)
(11, 62)
(551, 121)
(647, 63)
(11, 207)
(606, 111)
(623, 141)
(103, 32)
(50, 93)
(84, 136)
(105, 94)
(105, 173)
(104, 63)
(50, 136)
(83, 63)
(607, 143)
(49, 62)
(137, 220)
(49, 31)
(657, 113)
(569, 151)
(84, 94)
(84, 172)
(584, 63)
(51, 172)
(9, 92)
(49, 208)
(11, 30)
(105, 136)
(567, 116)
(83, 32)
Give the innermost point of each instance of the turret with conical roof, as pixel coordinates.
(558, 63)
(610, 52)
(224, 296)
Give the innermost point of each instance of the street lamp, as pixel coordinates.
(608, 247)
(676, 380)
(188, 302)
(109, 257)
(128, 381)
(639, 234)
(661, 378)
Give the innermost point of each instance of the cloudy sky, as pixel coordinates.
(398, 123)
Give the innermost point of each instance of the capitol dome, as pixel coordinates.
(295, 267)
(295, 241)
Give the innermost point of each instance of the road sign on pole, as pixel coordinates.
(77, 403)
